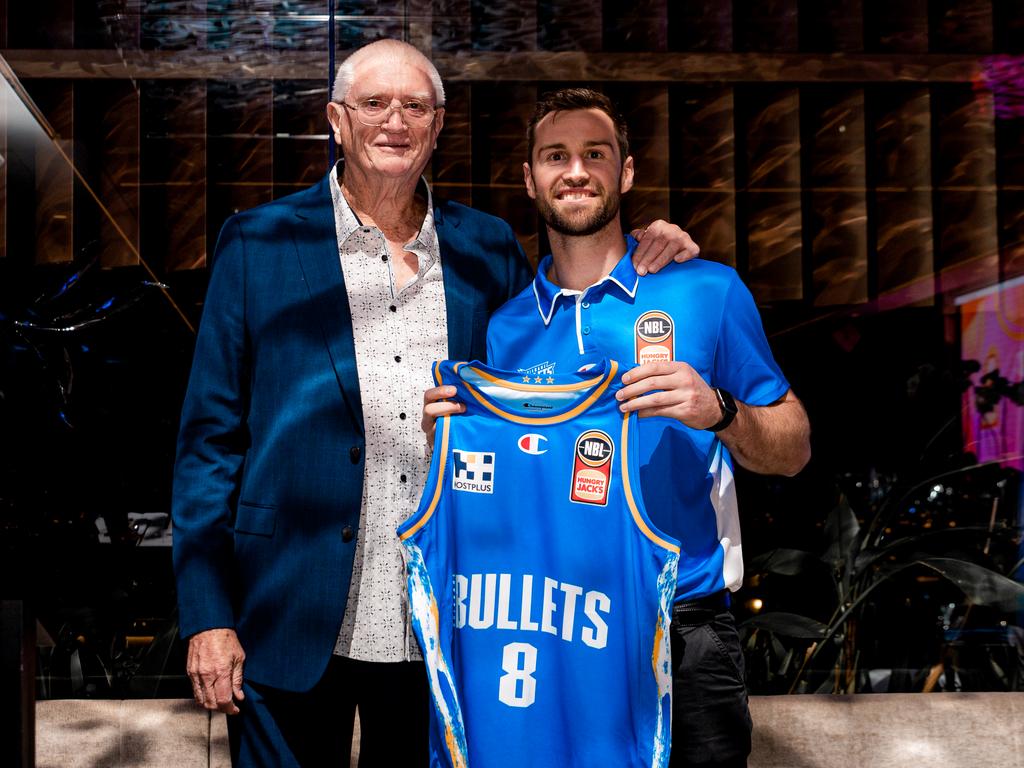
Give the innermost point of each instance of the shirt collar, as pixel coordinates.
(623, 276)
(347, 222)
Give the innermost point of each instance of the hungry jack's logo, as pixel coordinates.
(655, 336)
(592, 468)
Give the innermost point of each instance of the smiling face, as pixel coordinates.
(392, 149)
(575, 174)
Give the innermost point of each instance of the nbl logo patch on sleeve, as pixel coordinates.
(655, 338)
(472, 471)
(592, 468)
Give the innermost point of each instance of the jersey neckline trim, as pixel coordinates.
(597, 385)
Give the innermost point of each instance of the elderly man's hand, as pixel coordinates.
(658, 244)
(215, 661)
(435, 406)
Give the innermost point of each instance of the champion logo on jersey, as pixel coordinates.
(532, 443)
(654, 335)
(472, 471)
(592, 468)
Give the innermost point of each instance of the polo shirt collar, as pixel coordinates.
(622, 276)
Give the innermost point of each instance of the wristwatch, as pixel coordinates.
(728, 406)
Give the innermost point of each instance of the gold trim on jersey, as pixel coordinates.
(442, 458)
(645, 529)
(509, 384)
(599, 384)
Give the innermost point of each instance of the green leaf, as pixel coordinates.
(981, 585)
(786, 562)
(841, 529)
(922, 541)
(788, 625)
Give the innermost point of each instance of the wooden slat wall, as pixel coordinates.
(54, 180)
(835, 224)
(174, 173)
(770, 216)
(570, 25)
(300, 130)
(107, 154)
(702, 148)
(500, 112)
(700, 25)
(240, 148)
(801, 160)
(453, 160)
(1010, 175)
(963, 175)
(646, 108)
(899, 143)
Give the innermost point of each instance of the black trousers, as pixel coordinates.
(710, 718)
(282, 729)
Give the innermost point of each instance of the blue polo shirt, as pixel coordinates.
(698, 312)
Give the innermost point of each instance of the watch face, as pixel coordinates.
(726, 401)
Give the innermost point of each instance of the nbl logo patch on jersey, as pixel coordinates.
(655, 338)
(592, 468)
(472, 471)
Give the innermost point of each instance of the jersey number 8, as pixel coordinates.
(519, 660)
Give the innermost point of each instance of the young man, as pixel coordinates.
(703, 368)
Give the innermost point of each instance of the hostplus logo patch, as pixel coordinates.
(473, 471)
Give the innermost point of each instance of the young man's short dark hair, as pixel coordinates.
(568, 99)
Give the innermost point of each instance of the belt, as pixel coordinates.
(700, 610)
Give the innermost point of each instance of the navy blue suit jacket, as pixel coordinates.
(269, 471)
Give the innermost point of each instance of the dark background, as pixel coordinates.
(861, 164)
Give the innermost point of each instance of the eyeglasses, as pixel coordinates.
(377, 111)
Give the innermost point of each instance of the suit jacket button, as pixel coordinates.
(346, 533)
(354, 453)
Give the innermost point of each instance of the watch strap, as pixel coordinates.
(728, 405)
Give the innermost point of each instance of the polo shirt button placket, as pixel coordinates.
(585, 319)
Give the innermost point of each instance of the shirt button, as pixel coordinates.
(354, 453)
(384, 257)
(586, 305)
(586, 329)
(401, 416)
(347, 534)
(398, 358)
(393, 308)
(403, 478)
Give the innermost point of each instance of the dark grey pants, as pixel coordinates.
(281, 729)
(710, 717)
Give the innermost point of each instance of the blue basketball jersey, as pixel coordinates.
(698, 312)
(540, 591)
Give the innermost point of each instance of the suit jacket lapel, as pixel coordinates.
(458, 295)
(316, 244)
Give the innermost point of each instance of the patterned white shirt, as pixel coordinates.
(398, 335)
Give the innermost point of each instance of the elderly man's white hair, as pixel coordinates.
(384, 48)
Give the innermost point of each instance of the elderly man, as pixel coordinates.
(299, 451)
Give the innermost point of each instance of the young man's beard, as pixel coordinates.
(579, 226)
